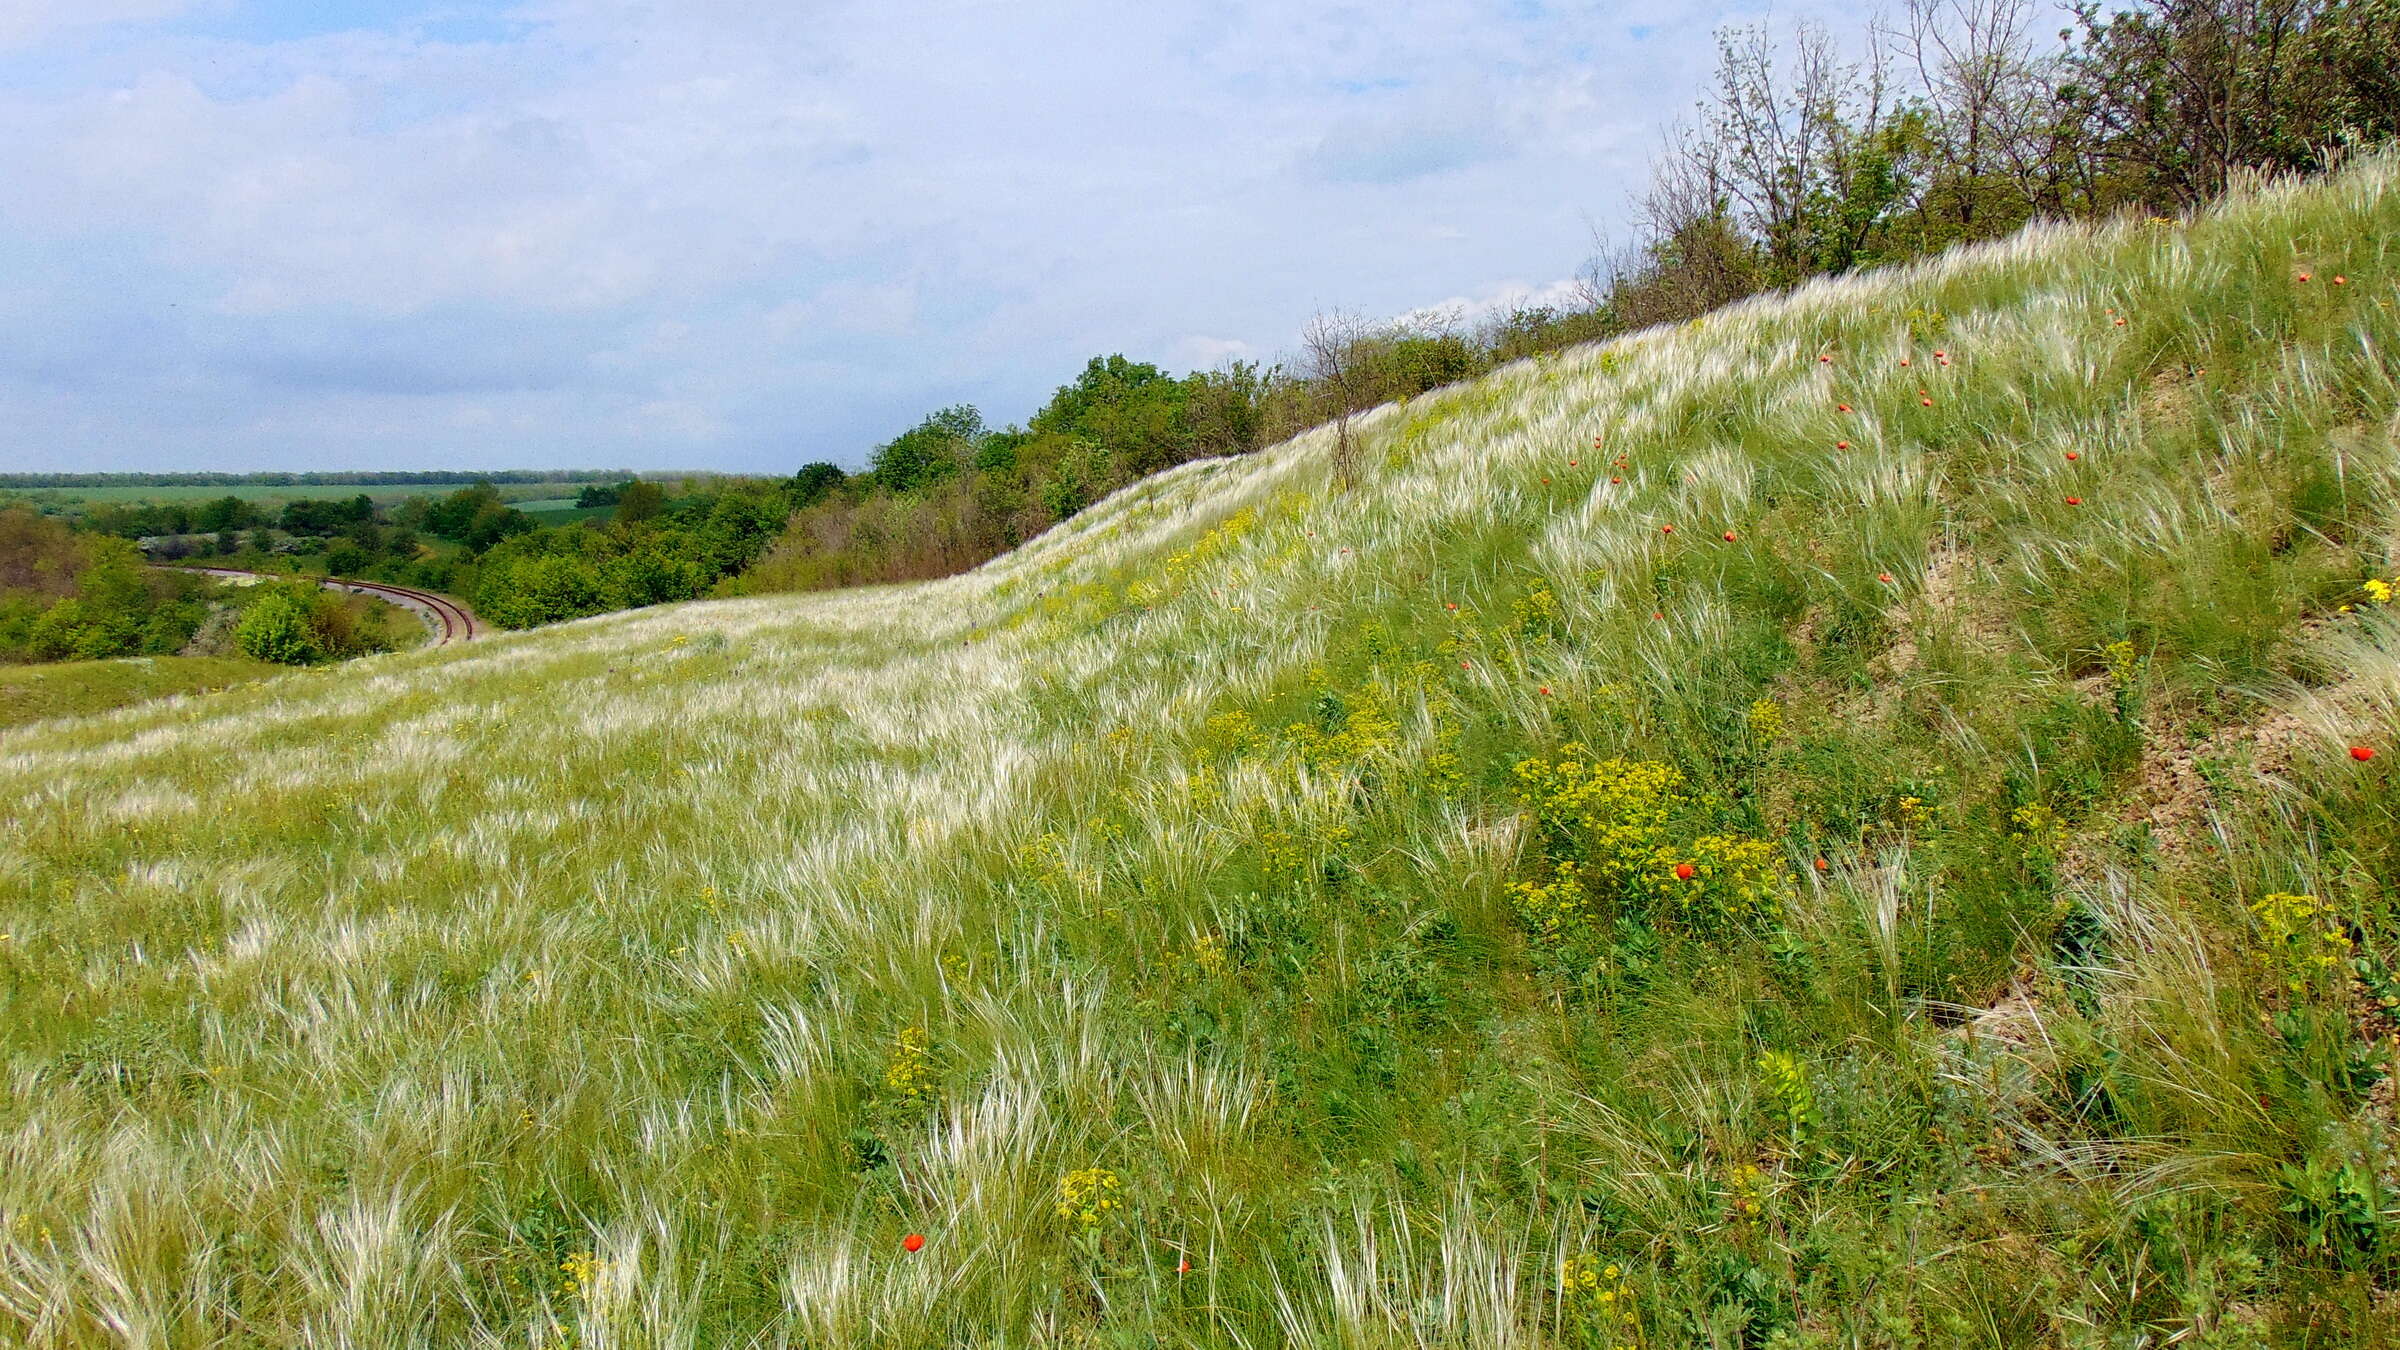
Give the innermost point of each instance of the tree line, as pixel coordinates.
(1956, 122)
(340, 478)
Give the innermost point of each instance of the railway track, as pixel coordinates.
(449, 620)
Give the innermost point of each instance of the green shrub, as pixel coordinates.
(276, 628)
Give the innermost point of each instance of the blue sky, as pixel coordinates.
(275, 234)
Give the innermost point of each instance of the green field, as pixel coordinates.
(1867, 819)
(79, 688)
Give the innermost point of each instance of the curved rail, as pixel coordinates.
(452, 621)
(457, 621)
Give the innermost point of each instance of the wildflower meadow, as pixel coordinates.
(1864, 819)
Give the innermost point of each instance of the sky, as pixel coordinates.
(748, 234)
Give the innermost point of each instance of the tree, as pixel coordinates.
(224, 513)
(930, 451)
(493, 523)
(346, 559)
(38, 554)
(1329, 345)
(1131, 409)
(522, 592)
(276, 628)
(1226, 408)
(812, 484)
(638, 501)
(454, 515)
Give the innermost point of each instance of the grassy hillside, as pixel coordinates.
(79, 688)
(1833, 825)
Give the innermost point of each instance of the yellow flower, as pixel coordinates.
(1208, 953)
(1088, 1194)
(908, 1075)
(1766, 721)
(582, 1269)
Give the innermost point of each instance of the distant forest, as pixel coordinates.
(384, 478)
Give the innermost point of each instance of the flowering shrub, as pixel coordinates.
(1087, 1195)
(1613, 830)
(2304, 942)
(1766, 722)
(1594, 1296)
(1346, 732)
(908, 1074)
(1535, 615)
(1747, 1186)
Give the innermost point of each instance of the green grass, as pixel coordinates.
(1249, 914)
(79, 688)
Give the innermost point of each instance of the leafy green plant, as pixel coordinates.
(276, 627)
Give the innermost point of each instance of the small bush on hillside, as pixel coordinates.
(1623, 836)
(276, 628)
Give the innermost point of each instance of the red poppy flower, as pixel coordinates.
(914, 1242)
(1657, 614)
(1729, 536)
(1841, 407)
(1926, 401)
(1826, 360)
(2074, 501)
(1614, 479)
(1841, 445)
(2120, 323)
(1941, 356)
(1464, 666)
(1545, 478)
(1824, 866)
(1666, 529)
(2072, 455)
(2361, 753)
(1904, 360)
(1884, 577)
(2304, 276)
(1184, 1266)
(1685, 871)
(2341, 281)
(1573, 462)
(1545, 689)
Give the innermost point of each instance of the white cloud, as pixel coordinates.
(26, 22)
(1465, 311)
(747, 235)
(1199, 352)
